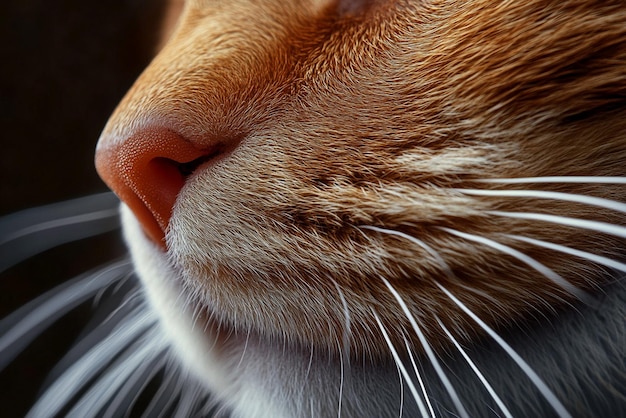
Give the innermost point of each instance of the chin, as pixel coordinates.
(248, 374)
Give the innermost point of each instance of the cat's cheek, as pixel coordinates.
(198, 346)
(213, 357)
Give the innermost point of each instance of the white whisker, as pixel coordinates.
(400, 365)
(341, 381)
(531, 262)
(243, 352)
(543, 388)
(398, 234)
(540, 194)
(163, 392)
(57, 223)
(30, 322)
(103, 392)
(308, 368)
(474, 368)
(401, 408)
(605, 261)
(604, 227)
(344, 350)
(442, 263)
(558, 179)
(96, 360)
(128, 392)
(190, 397)
(178, 390)
(30, 232)
(347, 318)
(419, 378)
(429, 352)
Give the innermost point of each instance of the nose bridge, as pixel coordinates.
(181, 90)
(224, 67)
(196, 100)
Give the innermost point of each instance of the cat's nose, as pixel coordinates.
(147, 171)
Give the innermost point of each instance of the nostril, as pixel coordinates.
(187, 169)
(147, 171)
(166, 174)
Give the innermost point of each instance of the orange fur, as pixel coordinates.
(328, 116)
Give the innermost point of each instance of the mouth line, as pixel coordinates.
(161, 282)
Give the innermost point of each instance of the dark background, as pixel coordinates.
(63, 67)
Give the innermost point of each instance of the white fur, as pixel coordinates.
(256, 377)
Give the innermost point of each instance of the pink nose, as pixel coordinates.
(147, 171)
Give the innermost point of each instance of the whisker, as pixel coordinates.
(175, 395)
(344, 350)
(347, 319)
(190, 397)
(25, 324)
(477, 372)
(29, 232)
(419, 378)
(147, 348)
(57, 223)
(401, 408)
(11, 224)
(442, 263)
(543, 388)
(558, 179)
(308, 368)
(531, 262)
(97, 359)
(101, 329)
(243, 352)
(209, 405)
(164, 394)
(132, 388)
(598, 226)
(429, 352)
(400, 365)
(541, 194)
(605, 261)
(341, 380)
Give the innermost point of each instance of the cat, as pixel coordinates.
(369, 208)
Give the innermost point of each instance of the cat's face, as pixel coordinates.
(296, 160)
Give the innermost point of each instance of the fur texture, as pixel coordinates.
(291, 162)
